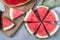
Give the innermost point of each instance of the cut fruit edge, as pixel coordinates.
(7, 21)
(57, 27)
(11, 9)
(38, 35)
(9, 27)
(27, 14)
(15, 5)
(29, 31)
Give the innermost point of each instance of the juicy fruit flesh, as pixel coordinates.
(51, 28)
(31, 17)
(14, 13)
(33, 25)
(4, 22)
(51, 18)
(42, 31)
(42, 11)
(7, 24)
(14, 2)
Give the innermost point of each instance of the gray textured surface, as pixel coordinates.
(2, 7)
(22, 34)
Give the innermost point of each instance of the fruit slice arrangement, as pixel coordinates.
(13, 3)
(14, 13)
(37, 22)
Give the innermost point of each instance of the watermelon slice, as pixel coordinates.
(7, 24)
(32, 27)
(13, 3)
(14, 13)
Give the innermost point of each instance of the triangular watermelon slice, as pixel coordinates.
(14, 13)
(7, 24)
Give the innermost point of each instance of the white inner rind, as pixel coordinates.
(28, 13)
(9, 27)
(39, 36)
(57, 19)
(11, 12)
(43, 6)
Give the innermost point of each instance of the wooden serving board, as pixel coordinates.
(19, 20)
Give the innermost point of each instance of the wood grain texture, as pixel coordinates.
(19, 20)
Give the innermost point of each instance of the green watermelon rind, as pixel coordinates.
(25, 23)
(27, 30)
(30, 32)
(15, 5)
(50, 34)
(57, 25)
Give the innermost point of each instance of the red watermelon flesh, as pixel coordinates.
(14, 13)
(51, 28)
(31, 17)
(51, 18)
(7, 24)
(32, 28)
(42, 11)
(41, 32)
(15, 2)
